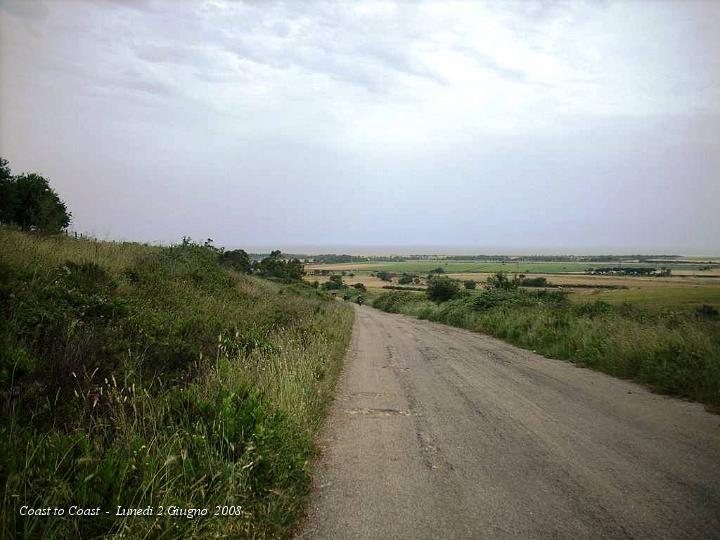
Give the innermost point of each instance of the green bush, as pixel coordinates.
(442, 288)
(501, 281)
(405, 279)
(334, 283)
(237, 259)
(275, 266)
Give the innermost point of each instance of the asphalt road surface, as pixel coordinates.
(437, 432)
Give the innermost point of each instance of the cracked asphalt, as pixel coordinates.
(438, 432)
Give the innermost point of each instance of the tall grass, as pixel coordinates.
(675, 352)
(140, 376)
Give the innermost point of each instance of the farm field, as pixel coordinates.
(687, 288)
(533, 267)
(662, 296)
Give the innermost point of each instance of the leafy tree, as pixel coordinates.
(8, 194)
(335, 282)
(29, 202)
(442, 288)
(470, 284)
(533, 282)
(360, 286)
(275, 266)
(438, 270)
(405, 279)
(501, 281)
(237, 259)
(385, 276)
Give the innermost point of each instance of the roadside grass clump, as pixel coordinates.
(672, 351)
(138, 376)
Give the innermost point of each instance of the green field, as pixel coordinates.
(669, 297)
(456, 267)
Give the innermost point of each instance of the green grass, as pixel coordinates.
(137, 375)
(456, 267)
(659, 298)
(673, 351)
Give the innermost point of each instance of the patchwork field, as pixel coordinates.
(692, 283)
(533, 267)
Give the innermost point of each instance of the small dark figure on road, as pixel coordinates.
(359, 300)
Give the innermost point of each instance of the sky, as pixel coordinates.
(486, 127)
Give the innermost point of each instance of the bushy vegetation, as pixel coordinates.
(405, 279)
(137, 375)
(676, 352)
(27, 201)
(237, 259)
(533, 281)
(442, 288)
(275, 266)
(334, 283)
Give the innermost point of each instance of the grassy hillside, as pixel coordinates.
(674, 351)
(136, 375)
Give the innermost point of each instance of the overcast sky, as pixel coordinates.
(523, 126)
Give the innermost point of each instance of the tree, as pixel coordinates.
(237, 259)
(334, 283)
(29, 202)
(8, 194)
(275, 266)
(405, 279)
(385, 276)
(470, 284)
(501, 281)
(442, 288)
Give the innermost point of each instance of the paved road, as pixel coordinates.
(438, 432)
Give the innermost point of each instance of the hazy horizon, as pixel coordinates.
(386, 250)
(533, 127)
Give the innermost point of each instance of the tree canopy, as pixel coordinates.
(28, 201)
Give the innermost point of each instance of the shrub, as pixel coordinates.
(275, 266)
(236, 259)
(501, 281)
(385, 276)
(334, 283)
(405, 279)
(442, 288)
(469, 284)
(707, 311)
(533, 282)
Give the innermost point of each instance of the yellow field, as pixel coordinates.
(685, 289)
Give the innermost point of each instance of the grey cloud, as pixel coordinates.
(357, 123)
(27, 9)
